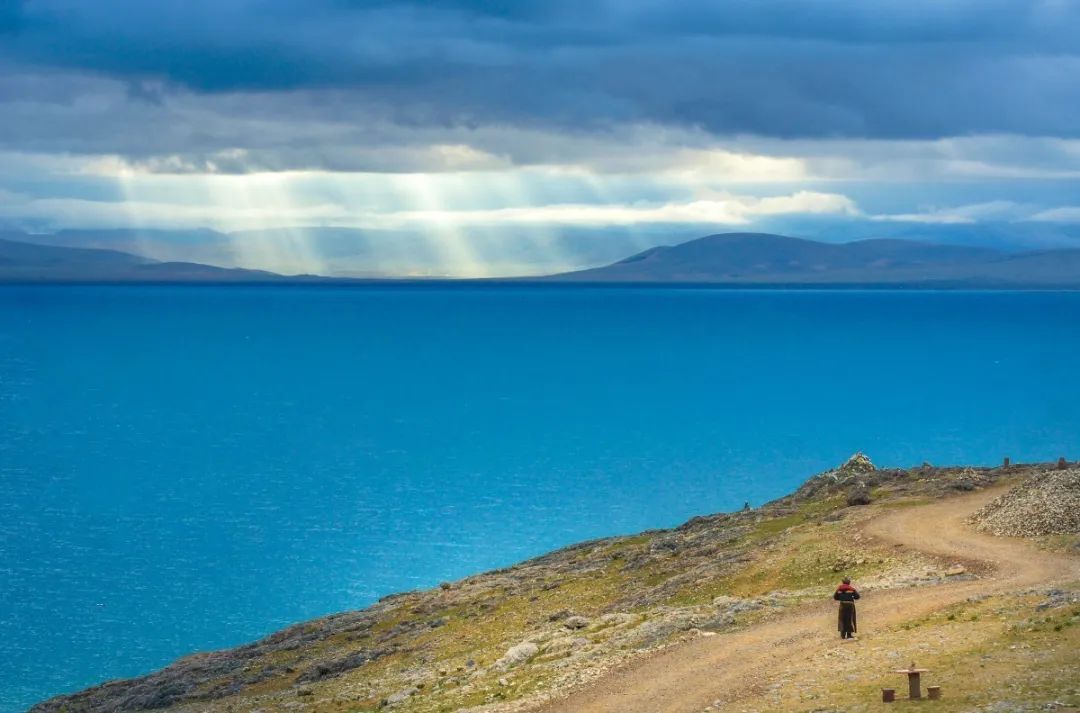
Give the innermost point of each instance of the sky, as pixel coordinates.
(518, 137)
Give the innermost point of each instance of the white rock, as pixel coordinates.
(402, 696)
(576, 622)
(516, 655)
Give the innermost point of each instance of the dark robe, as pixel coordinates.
(845, 620)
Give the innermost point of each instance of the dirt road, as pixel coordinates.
(733, 667)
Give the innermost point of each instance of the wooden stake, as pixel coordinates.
(914, 687)
(914, 691)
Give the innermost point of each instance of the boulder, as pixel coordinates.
(402, 696)
(576, 622)
(516, 655)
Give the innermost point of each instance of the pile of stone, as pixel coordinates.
(1045, 504)
(854, 473)
(858, 464)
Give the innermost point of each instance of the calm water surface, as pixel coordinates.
(188, 468)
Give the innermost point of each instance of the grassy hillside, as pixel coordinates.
(509, 638)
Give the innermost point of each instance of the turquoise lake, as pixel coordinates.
(188, 468)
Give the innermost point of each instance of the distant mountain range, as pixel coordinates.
(353, 252)
(746, 259)
(27, 262)
(765, 259)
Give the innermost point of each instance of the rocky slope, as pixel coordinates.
(509, 638)
(1046, 505)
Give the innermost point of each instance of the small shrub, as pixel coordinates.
(859, 495)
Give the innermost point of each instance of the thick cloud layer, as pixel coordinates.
(807, 68)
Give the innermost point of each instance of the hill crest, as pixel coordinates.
(769, 259)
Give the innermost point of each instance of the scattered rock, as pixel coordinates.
(745, 605)
(338, 666)
(969, 479)
(719, 622)
(616, 619)
(1057, 598)
(660, 629)
(565, 643)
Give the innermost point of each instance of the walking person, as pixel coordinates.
(846, 595)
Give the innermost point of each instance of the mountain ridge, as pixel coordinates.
(721, 259)
(769, 259)
(32, 262)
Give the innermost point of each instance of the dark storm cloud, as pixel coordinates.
(785, 68)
